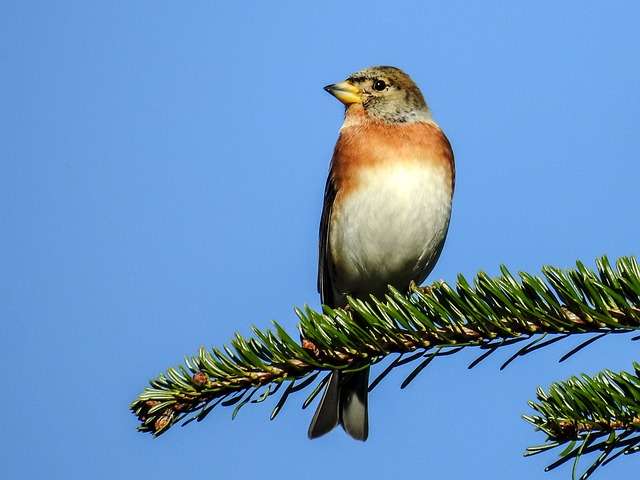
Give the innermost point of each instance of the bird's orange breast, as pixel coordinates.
(367, 144)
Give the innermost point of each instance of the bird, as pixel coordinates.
(386, 213)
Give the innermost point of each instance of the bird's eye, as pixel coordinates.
(379, 85)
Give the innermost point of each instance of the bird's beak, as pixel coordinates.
(345, 92)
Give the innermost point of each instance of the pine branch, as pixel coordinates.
(426, 323)
(590, 414)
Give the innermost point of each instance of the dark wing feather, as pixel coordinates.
(325, 263)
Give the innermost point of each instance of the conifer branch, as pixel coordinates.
(590, 414)
(418, 326)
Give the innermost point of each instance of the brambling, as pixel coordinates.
(387, 205)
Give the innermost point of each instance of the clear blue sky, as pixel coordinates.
(161, 181)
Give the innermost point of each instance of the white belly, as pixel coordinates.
(391, 229)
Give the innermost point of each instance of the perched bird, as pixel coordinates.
(387, 205)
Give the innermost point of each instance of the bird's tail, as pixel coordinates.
(344, 402)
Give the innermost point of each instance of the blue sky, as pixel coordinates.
(161, 182)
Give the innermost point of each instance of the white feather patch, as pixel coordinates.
(391, 228)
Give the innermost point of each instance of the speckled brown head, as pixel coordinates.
(384, 93)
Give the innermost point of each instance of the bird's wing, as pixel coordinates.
(325, 263)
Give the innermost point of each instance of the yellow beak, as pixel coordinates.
(345, 92)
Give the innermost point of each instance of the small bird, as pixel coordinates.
(387, 205)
